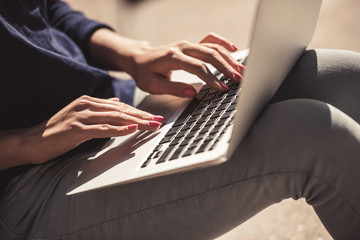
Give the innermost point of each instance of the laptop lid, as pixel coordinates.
(281, 32)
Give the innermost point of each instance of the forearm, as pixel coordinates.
(112, 51)
(17, 147)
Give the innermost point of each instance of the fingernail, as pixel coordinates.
(132, 127)
(241, 67)
(159, 119)
(154, 124)
(234, 47)
(237, 75)
(189, 92)
(224, 86)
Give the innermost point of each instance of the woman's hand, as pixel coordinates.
(83, 119)
(154, 66)
(151, 67)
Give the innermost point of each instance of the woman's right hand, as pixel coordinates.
(83, 119)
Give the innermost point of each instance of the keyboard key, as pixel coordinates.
(146, 163)
(216, 115)
(208, 98)
(157, 154)
(210, 122)
(181, 134)
(231, 108)
(175, 142)
(196, 127)
(200, 95)
(198, 112)
(188, 152)
(213, 145)
(176, 154)
(204, 130)
(227, 100)
(226, 115)
(215, 130)
(191, 134)
(221, 122)
(192, 119)
(165, 154)
(166, 139)
(222, 106)
(203, 147)
(185, 142)
(233, 92)
(207, 112)
(172, 131)
(213, 105)
(187, 126)
(210, 138)
(186, 113)
(203, 105)
(202, 119)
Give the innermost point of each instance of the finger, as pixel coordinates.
(107, 130)
(213, 57)
(162, 85)
(132, 111)
(199, 68)
(116, 118)
(103, 105)
(86, 99)
(225, 55)
(217, 39)
(115, 99)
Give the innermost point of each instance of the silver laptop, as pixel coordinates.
(206, 130)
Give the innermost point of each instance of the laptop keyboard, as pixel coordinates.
(201, 125)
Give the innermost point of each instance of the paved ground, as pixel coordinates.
(165, 21)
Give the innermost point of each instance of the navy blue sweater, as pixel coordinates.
(44, 65)
(44, 62)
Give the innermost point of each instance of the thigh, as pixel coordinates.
(331, 76)
(278, 159)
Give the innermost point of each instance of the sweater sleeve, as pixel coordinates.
(73, 23)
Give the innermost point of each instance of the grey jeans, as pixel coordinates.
(300, 147)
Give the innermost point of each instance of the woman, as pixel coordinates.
(56, 100)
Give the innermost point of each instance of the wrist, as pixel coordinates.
(18, 147)
(112, 51)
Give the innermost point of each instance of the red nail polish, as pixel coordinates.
(154, 124)
(234, 47)
(189, 92)
(224, 86)
(238, 76)
(241, 67)
(132, 127)
(159, 119)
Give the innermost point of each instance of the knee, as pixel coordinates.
(296, 119)
(337, 63)
(308, 137)
(306, 127)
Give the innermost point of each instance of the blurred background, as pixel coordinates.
(165, 21)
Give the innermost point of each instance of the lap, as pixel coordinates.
(285, 147)
(194, 200)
